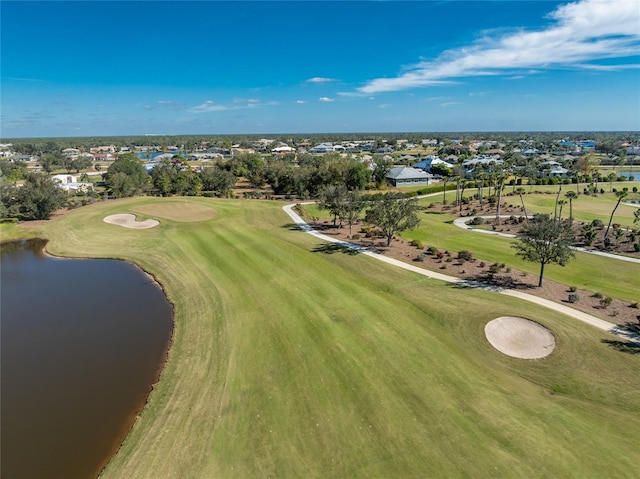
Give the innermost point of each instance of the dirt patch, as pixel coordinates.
(129, 221)
(519, 337)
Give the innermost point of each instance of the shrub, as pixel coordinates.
(417, 243)
(420, 257)
(465, 255)
(636, 247)
(355, 236)
(432, 250)
(482, 264)
(476, 221)
(596, 223)
(606, 301)
(494, 268)
(573, 289)
(597, 295)
(573, 298)
(365, 229)
(634, 305)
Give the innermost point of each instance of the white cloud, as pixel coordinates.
(320, 80)
(236, 104)
(208, 106)
(581, 32)
(325, 99)
(300, 102)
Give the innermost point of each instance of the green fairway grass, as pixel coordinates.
(294, 360)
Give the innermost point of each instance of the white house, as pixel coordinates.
(70, 184)
(64, 179)
(553, 168)
(427, 163)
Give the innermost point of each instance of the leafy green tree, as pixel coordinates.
(12, 170)
(356, 176)
(393, 213)
(39, 197)
(353, 205)
(382, 168)
(281, 177)
(217, 179)
(126, 177)
(80, 163)
(545, 240)
(442, 170)
(332, 198)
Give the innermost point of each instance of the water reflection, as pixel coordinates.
(81, 342)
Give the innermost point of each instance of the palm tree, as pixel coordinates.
(571, 195)
(520, 191)
(561, 203)
(555, 209)
(620, 195)
(500, 179)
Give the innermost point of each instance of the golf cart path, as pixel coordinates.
(579, 315)
(462, 223)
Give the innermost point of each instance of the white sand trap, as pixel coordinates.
(129, 221)
(519, 337)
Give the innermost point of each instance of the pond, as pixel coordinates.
(82, 343)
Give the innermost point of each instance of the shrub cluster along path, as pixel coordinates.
(579, 315)
(462, 223)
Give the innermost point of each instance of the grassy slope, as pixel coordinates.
(291, 363)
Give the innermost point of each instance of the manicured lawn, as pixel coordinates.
(290, 361)
(618, 279)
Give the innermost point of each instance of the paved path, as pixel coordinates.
(579, 315)
(462, 223)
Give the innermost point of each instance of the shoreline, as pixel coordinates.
(138, 412)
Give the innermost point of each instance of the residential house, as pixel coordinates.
(408, 176)
(427, 163)
(553, 168)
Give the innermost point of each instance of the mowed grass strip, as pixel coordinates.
(294, 363)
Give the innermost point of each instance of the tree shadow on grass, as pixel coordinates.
(297, 227)
(623, 346)
(331, 248)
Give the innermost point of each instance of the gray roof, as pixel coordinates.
(406, 173)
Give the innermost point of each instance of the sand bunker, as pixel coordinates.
(519, 337)
(129, 221)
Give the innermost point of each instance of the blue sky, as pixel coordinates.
(212, 67)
